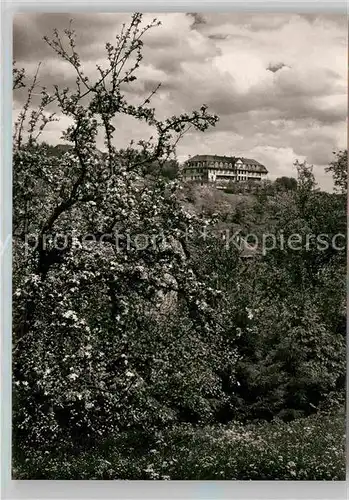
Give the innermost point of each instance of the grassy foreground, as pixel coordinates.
(311, 448)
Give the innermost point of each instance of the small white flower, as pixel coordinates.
(149, 468)
(70, 314)
(249, 313)
(129, 374)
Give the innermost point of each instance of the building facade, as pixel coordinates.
(223, 170)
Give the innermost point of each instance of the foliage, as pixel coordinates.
(286, 183)
(339, 170)
(293, 346)
(306, 449)
(286, 308)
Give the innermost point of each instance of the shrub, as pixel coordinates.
(312, 448)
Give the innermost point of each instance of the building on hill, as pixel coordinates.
(223, 170)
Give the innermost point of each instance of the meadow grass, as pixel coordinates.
(311, 448)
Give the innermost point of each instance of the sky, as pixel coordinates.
(278, 82)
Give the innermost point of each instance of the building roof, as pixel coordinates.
(250, 161)
(229, 159)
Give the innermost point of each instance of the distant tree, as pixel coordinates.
(339, 170)
(251, 186)
(168, 169)
(286, 183)
(306, 186)
(231, 187)
(306, 180)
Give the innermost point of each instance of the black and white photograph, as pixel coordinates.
(179, 239)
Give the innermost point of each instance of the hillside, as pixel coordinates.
(208, 199)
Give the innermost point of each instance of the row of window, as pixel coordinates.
(221, 164)
(197, 170)
(253, 174)
(230, 173)
(216, 164)
(240, 171)
(222, 178)
(225, 172)
(217, 172)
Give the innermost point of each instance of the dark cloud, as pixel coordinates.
(218, 36)
(198, 19)
(92, 32)
(275, 67)
(339, 19)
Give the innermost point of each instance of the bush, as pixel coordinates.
(306, 449)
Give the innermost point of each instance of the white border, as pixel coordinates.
(267, 490)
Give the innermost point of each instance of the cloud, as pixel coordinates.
(275, 67)
(197, 19)
(277, 81)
